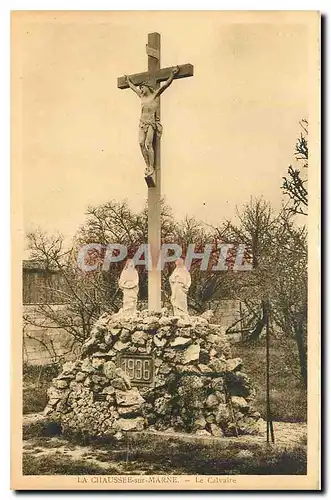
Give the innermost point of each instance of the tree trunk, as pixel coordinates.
(261, 322)
(299, 338)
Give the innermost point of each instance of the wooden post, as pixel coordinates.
(154, 193)
(241, 321)
(270, 429)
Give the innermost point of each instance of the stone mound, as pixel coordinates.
(156, 371)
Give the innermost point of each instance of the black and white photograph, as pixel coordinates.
(165, 214)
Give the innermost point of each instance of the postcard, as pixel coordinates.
(165, 250)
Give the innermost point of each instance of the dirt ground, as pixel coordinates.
(168, 453)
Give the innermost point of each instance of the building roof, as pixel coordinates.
(37, 265)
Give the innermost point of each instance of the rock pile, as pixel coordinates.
(197, 385)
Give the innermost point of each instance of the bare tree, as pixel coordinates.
(77, 298)
(290, 287)
(295, 185)
(278, 280)
(85, 295)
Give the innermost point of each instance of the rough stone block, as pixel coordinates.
(130, 424)
(216, 431)
(128, 398)
(239, 402)
(61, 384)
(181, 342)
(139, 338)
(80, 376)
(121, 346)
(109, 369)
(233, 364)
(191, 353)
(118, 383)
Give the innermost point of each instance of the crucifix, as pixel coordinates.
(147, 86)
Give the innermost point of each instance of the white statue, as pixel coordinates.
(180, 282)
(149, 122)
(129, 284)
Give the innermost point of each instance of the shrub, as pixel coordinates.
(36, 380)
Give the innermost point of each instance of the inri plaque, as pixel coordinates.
(139, 367)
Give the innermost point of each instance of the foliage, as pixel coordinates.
(36, 381)
(288, 394)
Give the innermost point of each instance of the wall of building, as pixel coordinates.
(42, 287)
(227, 312)
(42, 345)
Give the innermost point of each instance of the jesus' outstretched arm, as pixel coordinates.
(132, 86)
(168, 82)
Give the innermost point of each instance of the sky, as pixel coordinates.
(229, 131)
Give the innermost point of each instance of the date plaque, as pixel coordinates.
(139, 367)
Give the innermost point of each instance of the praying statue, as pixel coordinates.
(129, 284)
(180, 282)
(149, 121)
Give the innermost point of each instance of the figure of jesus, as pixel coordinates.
(149, 123)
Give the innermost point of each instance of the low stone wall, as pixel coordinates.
(227, 312)
(155, 371)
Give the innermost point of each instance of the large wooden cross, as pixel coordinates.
(155, 75)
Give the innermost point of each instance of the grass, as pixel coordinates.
(36, 381)
(52, 465)
(156, 455)
(288, 396)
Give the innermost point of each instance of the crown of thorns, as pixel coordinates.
(146, 84)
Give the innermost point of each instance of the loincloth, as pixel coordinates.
(155, 124)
